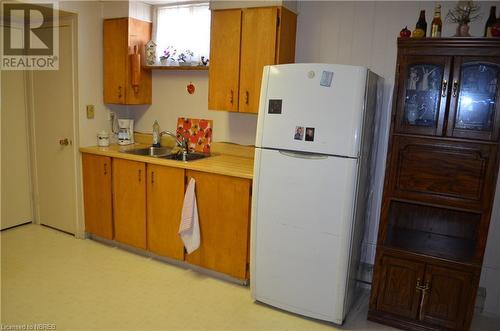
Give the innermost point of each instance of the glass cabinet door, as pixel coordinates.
(474, 107)
(422, 94)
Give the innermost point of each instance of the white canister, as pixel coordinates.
(103, 138)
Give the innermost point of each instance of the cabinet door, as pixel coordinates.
(449, 297)
(224, 214)
(97, 195)
(165, 192)
(129, 202)
(139, 33)
(475, 104)
(115, 39)
(258, 48)
(223, 77)
(422, 93)
(398, 293)
(457, 174)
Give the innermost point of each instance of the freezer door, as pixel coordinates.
(301, 221)
(312, 107)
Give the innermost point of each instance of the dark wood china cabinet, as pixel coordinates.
(440, 182)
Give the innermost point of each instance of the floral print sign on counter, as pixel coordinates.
(197, 131)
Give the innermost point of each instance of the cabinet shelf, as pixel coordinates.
(432, 244)
(433, 231)
(177, 68)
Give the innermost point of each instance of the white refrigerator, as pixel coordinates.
(311, 186)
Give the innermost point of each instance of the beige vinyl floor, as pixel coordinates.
(51, 277)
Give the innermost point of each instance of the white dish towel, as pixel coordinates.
(189, 229)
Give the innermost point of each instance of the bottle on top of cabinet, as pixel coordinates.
(421, 23)
(437, 23)
(490, 22)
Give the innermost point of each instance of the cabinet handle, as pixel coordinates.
(444, 88)
(105, 168)
(455, 87)
(139, 173)
(246, 97)
(152, 177)
(119, 92)
(231, 97)
(424, 290)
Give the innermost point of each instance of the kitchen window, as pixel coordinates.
(182, 29)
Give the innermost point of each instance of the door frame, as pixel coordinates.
(70, 20)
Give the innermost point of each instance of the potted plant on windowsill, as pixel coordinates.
(167, 54)
(184, 58)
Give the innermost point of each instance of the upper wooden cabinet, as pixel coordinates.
(422, 94)
(475, 104)
(97, 195)
(224, 60)
(449, 93)
(120, 36)
(242, 42)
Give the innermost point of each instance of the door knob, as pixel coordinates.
(64, 142)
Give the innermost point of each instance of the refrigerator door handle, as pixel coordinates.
(303, 155)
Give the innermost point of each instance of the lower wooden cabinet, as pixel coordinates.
(224, 214)
(447, 291)
(129, 202)
(140, 205)
(415, 294)
(97, 195)
(398, 286)
(165, 196)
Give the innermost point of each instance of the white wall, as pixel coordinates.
(171, 100)
(364, 33)
(90, 61)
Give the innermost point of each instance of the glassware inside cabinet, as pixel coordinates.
(423, 91)
(477, 97)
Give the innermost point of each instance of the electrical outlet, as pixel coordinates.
(90, 111)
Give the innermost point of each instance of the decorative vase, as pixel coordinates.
(150, 53)
(463, 30)
(164, 62)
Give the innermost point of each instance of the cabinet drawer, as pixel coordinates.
(446, 172)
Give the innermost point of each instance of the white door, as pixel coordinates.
(53, 139)
(301, 220)
(16, 183)
(324, 100)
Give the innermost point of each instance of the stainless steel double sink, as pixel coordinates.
(165, 153)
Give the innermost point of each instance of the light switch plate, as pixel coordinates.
(90, 111)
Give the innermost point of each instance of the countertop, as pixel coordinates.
(226, 159)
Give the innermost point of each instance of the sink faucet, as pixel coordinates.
(183, 143)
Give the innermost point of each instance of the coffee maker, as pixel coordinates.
(125, 131)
